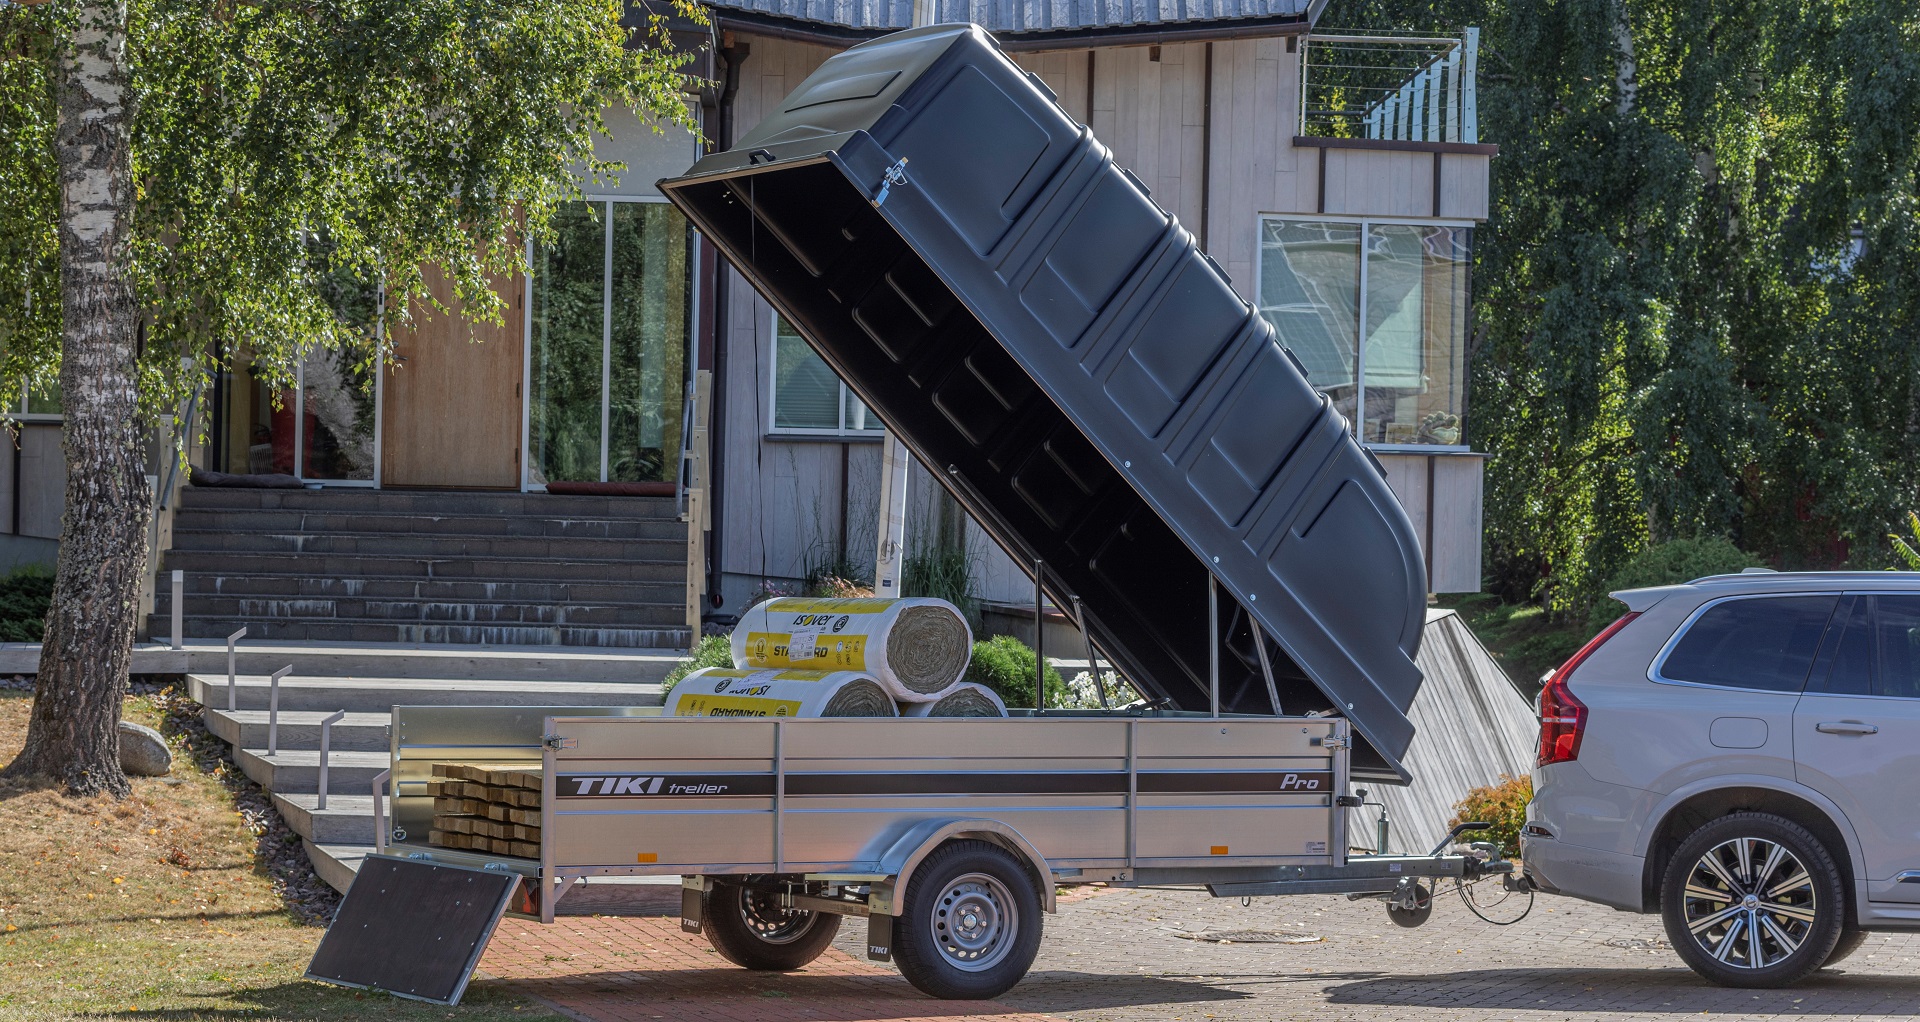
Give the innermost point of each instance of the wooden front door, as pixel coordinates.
(453, 401)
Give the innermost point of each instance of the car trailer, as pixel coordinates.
(1086, 383)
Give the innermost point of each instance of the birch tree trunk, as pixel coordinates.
(89, 639)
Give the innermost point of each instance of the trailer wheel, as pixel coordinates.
(751, 930)
(1418, 913)
(970, 923)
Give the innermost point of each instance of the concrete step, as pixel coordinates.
(299, 729)
(347, 819)
(392, 544)
(336, 864)
(381, 695)
(659, 613)
(298, 770)
(414, 524)
(374, 630)
(491, 569)
(429, 590)
(428, 502)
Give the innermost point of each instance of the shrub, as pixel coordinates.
(712, 651)
(24, 597)
(1503, 804)
(1680, 560)
(1005, 665)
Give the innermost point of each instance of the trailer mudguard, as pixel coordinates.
(910, 848)
(1084, 380)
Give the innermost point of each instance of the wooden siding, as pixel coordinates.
(1442, 495)
(783, 503)
(1471, 727)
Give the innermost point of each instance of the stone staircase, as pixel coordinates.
(338, 837)
(386, 566)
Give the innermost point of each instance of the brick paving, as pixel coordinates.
(1117, 957)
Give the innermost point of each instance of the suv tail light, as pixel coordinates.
(1563, 718)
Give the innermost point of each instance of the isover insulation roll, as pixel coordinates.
(916, 647)
(966, 700)
(737, 692)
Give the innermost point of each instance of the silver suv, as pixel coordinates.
(1742, 754)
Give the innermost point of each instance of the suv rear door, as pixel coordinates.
(1857, 735)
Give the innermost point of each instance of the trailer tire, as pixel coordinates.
(969, 925)
(750, 930)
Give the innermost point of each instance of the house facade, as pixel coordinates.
(1337, 180)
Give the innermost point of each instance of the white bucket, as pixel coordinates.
(966, 700)
(918, 647)
(734, 692)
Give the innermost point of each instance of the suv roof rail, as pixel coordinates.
(1770, 577)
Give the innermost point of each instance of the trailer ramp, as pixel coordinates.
(413, 928)
(1081, 377)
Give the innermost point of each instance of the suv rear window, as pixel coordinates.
(1765, 643)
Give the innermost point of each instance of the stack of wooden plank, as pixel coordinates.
(486, 809)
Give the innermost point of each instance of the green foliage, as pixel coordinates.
(710, 651)
(1663, 564)
(293, 159)
(1908, 550)
(944, 573)
(1503, 804)
(24, 597)
(1524, 639)
(1005, 665)
(1697, 300)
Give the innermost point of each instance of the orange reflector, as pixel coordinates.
(1219, 849)
(647, 857)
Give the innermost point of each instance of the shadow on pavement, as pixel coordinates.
(1055, 991)
(1674, 990)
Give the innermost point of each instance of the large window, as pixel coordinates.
(606, 366)
(807, 397)
(1377, 313)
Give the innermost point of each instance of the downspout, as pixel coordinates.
(731, 56)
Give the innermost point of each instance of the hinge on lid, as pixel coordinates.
(895, 175)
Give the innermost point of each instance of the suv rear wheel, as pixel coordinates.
(1753, 900)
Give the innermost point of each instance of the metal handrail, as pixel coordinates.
(273, 709)
(326, 748)
(380, 810)
(232, 686)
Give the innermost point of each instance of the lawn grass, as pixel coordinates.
(159, 907)
(1525, 640)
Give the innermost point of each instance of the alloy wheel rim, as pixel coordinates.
(771, 923)
(974, 921)
(1749, 903)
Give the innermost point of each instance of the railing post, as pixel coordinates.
(1469, 81)
(1453, 95)
(232, 702)
(326, 746)
(380, 810)
(273, 709)
(1433, 101)
(179, 593)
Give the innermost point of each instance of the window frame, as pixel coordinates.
(1366, 224)
(840, 434)
(19, 413)
(1656, 670)
(606, 202)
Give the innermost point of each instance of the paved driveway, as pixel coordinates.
(1119, 956)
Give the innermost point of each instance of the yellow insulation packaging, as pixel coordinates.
(736, 692)
(917, 648)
